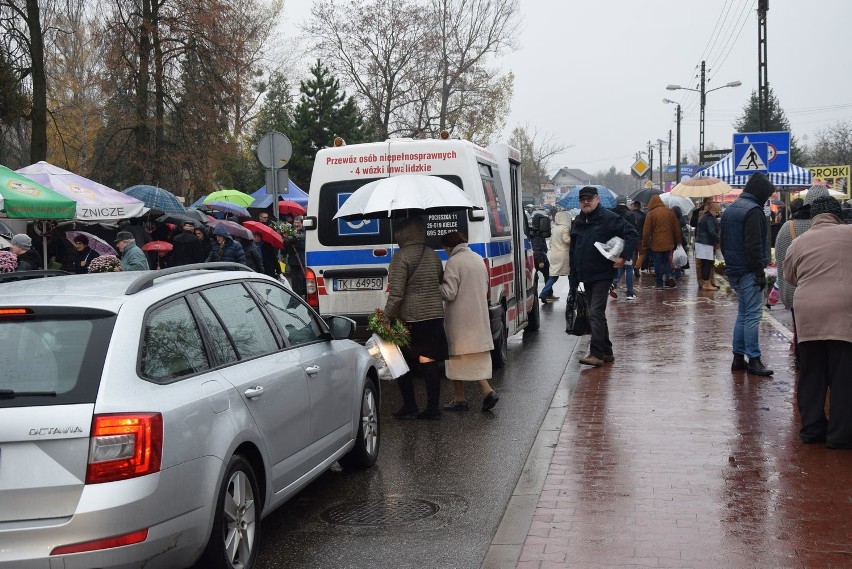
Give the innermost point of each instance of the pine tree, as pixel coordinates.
(750, 122)
(323, 113)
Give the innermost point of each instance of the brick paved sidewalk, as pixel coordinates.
(667, 459)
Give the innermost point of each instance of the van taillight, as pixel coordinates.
(311, 288)
(124, 446)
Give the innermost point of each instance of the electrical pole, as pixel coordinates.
(677, 158)
(762, 72)
(660, 141)
(651, 158)
(703, 101)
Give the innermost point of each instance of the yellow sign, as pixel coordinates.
(835, 177)
(649, 184)
(640, 168)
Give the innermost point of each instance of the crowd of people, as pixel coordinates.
(186, 242)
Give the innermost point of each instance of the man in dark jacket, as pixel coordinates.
(745, 246)
(225, 249)
(28, 259)
(187, 248)
(637, 218)
(538, 240)
(588, 266)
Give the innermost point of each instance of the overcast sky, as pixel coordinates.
(593, 73)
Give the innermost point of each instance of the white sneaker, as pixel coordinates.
(631, 297)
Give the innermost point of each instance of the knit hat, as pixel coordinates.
(826, 205)
(759, 186)
(23, 241)
(815, 192)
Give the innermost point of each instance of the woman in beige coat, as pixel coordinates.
(558, 255)
(465, 290)
(817, 267)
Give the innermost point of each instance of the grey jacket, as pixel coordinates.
(133, 258)
(414, 279)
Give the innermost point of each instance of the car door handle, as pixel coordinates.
(312, 370)
(254, 392)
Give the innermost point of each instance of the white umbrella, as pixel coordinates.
(832, 193)
(701, 187)
(685, 204)
(380, 198)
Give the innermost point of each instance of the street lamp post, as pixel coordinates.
(660, 142)
(702, 91)
(677, 144)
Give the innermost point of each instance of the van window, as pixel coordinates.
(337, 232)
(57, 354)
(171, 346)
(243, 319)
(495, 201)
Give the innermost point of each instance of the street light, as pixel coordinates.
(703, 92)
(677, 175)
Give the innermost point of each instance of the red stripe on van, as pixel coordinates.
(321, 286)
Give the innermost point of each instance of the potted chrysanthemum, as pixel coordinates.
(105, 264)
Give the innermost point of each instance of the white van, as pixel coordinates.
(347, 261)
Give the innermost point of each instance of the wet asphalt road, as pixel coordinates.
(458, 472)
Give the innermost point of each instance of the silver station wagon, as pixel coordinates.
(153, 419)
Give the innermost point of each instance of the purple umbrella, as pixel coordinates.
(233, 228)
(95, 243)
(226, 207)
(95, 202)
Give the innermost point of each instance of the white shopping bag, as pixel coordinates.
(680, 258)
(390, 364)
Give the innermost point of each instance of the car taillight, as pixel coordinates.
(106, 543)
(311, 288)
(124, 446)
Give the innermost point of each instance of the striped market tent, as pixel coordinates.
(724, 170)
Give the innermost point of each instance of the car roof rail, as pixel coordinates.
(26, 275)
(147, 280)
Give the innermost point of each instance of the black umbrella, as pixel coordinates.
(179, 219)
(645, 195)
(197, 214)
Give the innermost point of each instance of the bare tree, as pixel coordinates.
(537, 149)
(377, 46)
(833, 145)
(466, 34)
(23, 25)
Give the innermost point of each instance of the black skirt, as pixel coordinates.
(427, 339)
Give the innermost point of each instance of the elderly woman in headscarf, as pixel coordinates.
(817, 268)
(465, 288)
(791, 229)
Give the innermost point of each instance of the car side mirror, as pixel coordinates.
(341, 328)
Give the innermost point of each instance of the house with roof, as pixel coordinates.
(570, 177)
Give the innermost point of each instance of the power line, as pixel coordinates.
(734, 43)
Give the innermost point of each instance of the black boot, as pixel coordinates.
(739, 363)
(756, 367)
(409, 401)
(432, 377)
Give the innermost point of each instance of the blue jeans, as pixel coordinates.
(625, 270)
(749, 313)
(548, 287)
(661, 266)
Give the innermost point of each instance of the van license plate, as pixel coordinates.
(369, 283)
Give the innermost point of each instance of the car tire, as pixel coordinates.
(237, 517)
(500, 353)
(367, 441)
(534, 317)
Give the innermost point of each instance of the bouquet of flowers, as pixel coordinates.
(8, 262)
(395, 332)
(105, 264)
(719, 267)
(285, 230)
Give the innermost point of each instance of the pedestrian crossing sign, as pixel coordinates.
(751, 157)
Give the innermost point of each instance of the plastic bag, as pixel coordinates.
(680, 258)
(718, 254)
(390, 363)
(577, 313)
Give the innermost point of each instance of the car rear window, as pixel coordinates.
(338, 232)
(45, 354)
